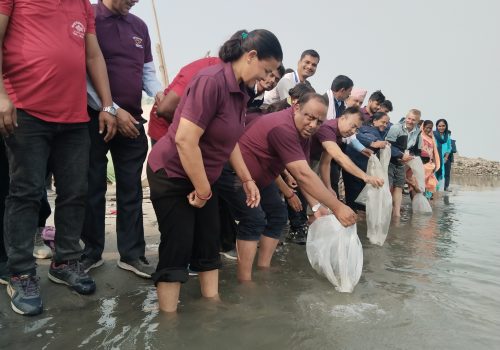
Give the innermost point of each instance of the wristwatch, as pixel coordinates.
(315, 207)
(109, 109)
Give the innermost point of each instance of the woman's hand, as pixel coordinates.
(196, 201)
(290, 181)
(379, 144)
(252, 192)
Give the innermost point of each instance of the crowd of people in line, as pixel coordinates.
(245, 154)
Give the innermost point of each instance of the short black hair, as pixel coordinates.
(353, 110)
(341, 82)
(310, 52)
(377, 96)
(281, 71)
(387, 104)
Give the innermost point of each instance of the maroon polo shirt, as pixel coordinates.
(270, 143)
(216, 103)
(329, 131)
(366, 115)
(125, 44)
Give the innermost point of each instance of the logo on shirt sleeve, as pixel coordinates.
(78, 29)
(138, 42)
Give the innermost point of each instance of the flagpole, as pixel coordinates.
(159, 49)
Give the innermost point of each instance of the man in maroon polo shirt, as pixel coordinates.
(270, 145)
(125, 44)
(325, 146)
(47, 47)
(373, 105)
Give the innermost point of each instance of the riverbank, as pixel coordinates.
(475, 167)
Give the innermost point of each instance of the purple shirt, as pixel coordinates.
(366, 115)
(215, 102)
(125, 44)
(271, 142)
(327, 132)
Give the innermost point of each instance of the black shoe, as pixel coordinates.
(72, 274)
(141, 266)
(298, 236)
(24, 292)
(88, 264)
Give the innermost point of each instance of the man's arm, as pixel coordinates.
(150, 83)
(96, 68)
(311, 183)
(167, 106)
(346, 164)
(8, 117)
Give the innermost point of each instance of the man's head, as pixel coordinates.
(342, 87)
(271, 80)
(309, 113)
(307, 65)
(374, 102)
(350, 121)
(356, 98)
(412, 119)
(121, 7)
(385, 107)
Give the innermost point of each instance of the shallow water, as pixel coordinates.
(433, 285)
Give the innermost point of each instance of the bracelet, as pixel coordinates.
(203, 198)
(290, 197)
(251, 180)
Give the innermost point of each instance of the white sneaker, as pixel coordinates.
(230, 254)
(40, 250)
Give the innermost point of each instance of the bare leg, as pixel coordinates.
(168, 295)
(266, 251)
(246, 255)
(209, 284)
(397, 196)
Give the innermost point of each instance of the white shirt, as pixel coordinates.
(280, 92)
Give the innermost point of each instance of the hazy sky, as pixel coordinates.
(440, 56)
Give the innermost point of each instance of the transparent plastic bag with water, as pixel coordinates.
(335, 252)
(419, 203)
(378, 201)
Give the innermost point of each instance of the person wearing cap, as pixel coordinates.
(356, 98)
(126, 46)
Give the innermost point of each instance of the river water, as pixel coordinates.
(435, 284)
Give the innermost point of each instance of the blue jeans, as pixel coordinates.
(35, 145)
(268, 219)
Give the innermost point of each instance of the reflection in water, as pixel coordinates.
(433, 285)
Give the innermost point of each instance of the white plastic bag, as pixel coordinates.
(419, 203)
(378, 201)
(335, 252)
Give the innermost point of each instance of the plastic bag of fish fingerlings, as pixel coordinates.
(335, 252)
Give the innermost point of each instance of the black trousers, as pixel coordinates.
(128, 159)
(4, 190)
(189, 235)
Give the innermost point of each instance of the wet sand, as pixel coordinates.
(433, 285)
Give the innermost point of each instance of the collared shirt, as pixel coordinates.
(126, 47)
(270, 143)
(44, 59)
(280, 92)
(158, 127)
(216, 103)
(329, 131)
(366, 115)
